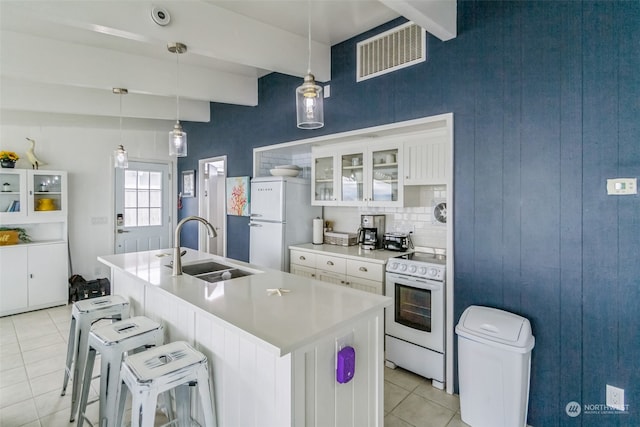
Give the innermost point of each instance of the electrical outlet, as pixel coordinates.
(615, 397)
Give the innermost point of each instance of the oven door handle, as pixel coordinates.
(414, 282)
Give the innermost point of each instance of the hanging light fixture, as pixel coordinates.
(309, 96)
(120, 157)
(177, 137)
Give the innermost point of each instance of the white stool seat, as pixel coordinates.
(83, 314)
(174, 365)
(113, 341)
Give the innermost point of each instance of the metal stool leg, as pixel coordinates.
(73, 331)
(86, 384)
(79, 366)
(206, 397)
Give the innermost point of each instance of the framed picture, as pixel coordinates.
(238, 196)
(189, 183)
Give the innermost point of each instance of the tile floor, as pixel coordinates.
(32, 356)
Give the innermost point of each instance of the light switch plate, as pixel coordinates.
(622, 186)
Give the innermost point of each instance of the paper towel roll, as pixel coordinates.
(318, 231)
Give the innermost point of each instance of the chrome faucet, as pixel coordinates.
(177, 260)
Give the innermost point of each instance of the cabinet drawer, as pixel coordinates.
(330, 263)
(372, 286)
(307, 259)
(365, 270)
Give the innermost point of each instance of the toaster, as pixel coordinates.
(397, 241)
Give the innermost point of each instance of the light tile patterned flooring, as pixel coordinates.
(33, 347)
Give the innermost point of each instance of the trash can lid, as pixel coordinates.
(497, 328)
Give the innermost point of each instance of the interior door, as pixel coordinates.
(142, 207)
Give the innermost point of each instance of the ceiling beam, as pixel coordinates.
(61, 63)
(209, 31)
(26, 96)
(438, 17)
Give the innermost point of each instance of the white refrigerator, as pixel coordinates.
(281, 215)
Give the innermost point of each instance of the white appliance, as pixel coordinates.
(281, 215)
(415, 322)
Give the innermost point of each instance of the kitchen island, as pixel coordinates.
(272, 357)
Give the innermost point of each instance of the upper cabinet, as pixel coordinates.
(30, 196)
(426, 158)
(357, 174)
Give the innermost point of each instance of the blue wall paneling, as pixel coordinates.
(546, 100)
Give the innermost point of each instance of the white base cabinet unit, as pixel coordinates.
(32, 276)
(341, 265)
(272, 357)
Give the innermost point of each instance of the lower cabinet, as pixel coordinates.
(362, 275)
(33, 276)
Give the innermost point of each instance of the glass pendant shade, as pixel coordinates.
(309, 104)
(178, 141)
(120, 158)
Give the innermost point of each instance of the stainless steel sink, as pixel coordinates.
(211, 271)
(218, 276)
(204, 267)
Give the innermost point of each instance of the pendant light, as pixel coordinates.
(309, 99)
(120, 156)
(177, 137)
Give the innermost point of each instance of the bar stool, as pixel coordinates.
(112, 342)
(174, 365)
(83, 315)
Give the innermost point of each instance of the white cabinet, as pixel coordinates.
(426, 158)
(14, 291)
(339, 270)
(358, 174)
(32, 196)
(34, 276)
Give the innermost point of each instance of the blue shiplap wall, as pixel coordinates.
(546, 100)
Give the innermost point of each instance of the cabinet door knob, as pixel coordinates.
(329, 262)
(31, 276)
(302, 258)
(363, 269)
(313, 274)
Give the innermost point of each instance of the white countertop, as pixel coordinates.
(355, 252)
(283, 323)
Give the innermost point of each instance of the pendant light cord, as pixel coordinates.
(309, 32)
(121, 142)
(177, 84)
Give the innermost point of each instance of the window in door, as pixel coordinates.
(142, 198)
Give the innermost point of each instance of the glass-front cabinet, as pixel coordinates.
(32, 195)
(47, 192)
(13, 198)
(384, 176)
(323, 182)
(358, 174)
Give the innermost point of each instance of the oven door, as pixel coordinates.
(417, 312)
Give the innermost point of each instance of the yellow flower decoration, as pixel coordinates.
(9, 155)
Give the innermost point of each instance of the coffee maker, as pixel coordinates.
(371, 233)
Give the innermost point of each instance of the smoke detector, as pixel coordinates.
(160, 16)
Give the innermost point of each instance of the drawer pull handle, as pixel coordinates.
(313, 274)
(363, 269)
(302, 258)
(329, 262)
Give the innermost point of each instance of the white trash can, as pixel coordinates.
(494, 366)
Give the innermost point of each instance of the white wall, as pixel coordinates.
(84, 147)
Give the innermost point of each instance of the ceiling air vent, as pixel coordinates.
(400, 47)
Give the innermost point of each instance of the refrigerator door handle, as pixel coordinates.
(254, 215)
(253, 224)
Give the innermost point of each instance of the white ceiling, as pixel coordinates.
(65, 56)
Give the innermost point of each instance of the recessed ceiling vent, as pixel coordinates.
(397, 48)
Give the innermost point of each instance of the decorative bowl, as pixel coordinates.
(284, 172)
